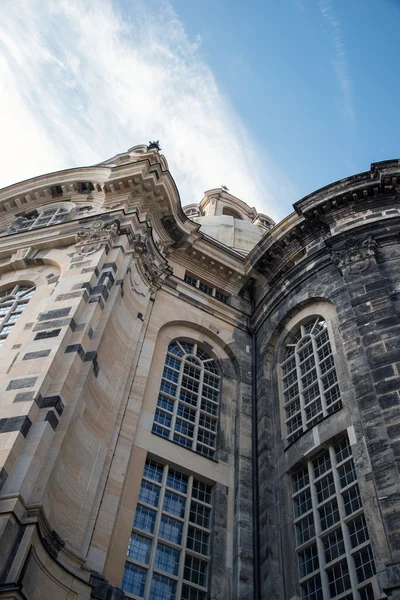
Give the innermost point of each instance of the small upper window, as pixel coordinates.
(230, 212)
(43, 217)
(192, 212)
(13, 301)
(310, 386)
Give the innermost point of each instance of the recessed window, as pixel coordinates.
(170, 543)
(230, 212)
(43, 217)
(13, 301)
(309, 379)
(332, 540)
(192, 212)
(188, 401)
(205, 287)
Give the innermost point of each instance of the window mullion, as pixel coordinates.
(317, 526)
(184, 537)
(176, 403)
(155, 535)
(342, 514)
(319, 375)
(197, 416)
(300, 386)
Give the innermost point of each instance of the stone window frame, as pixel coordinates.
(206, 288)
(188, 404)
(44, 216)
(13, 301)
(333, 555)
(187, 574)
(310, 393)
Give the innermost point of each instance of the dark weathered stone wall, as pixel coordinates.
(351, 278)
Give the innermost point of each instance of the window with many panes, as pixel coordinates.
(169, 549)
(188, 401)
(332, 542)
(13, 301)
(43, 217)
(309, 380)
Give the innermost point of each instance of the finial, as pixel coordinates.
(154, 145)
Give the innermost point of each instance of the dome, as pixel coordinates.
(229, 220)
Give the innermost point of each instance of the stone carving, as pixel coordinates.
(354, 253)
(90, 240)
(145, 266)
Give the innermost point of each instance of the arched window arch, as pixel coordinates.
(13, 300)
(43, 217)
(309, 380)
(188, 401)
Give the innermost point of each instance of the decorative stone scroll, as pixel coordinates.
(355, 255)
(147, 267)
(88, 241)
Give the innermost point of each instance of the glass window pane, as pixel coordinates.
(195, 570)
(145, 518)
(162, 588)
(134, 580)
(167, 559)
(312, 589)
(139, 548)
(174, 504)
(308, 560)
(189, 593)
(198, 540)
(149, 493)
(334, 545)
(171, 529)
(177, 481)
(339, 579)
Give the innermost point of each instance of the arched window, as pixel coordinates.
(187, 407)
(43, 217)
(309, 380)
(13, 300)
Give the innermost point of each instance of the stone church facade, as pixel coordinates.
(198, 404)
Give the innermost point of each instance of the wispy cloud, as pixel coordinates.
(81, 81)
(340, 62)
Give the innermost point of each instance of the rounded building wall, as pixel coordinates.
(237, 234)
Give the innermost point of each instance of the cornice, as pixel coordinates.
(380, 182)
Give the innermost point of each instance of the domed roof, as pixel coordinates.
(229, 220)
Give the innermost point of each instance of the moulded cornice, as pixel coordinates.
(382, 179)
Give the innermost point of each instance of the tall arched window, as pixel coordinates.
(187, 407)
(13, 300)
(309, 380)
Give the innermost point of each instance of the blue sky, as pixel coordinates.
(272, 98)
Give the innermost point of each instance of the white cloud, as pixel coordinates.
(340, 62)
(81, 82)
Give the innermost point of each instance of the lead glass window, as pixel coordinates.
(48, 215)
(309, 380)
(13, 301)
(169, 549)
(188, 402)
(333, 549)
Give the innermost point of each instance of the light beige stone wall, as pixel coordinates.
(76, 435)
